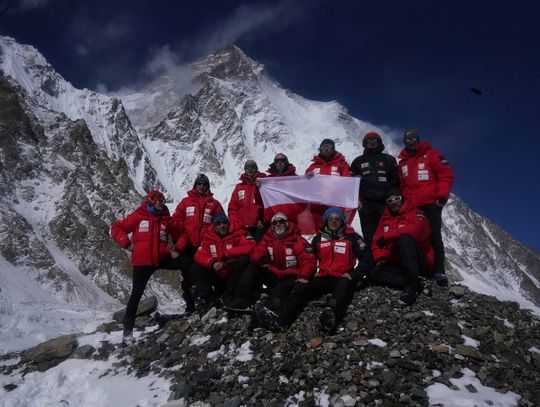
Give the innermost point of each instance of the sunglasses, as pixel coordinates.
(280, 160)
(394, 199)
(221, 222)
(250, 167)
(334, 219)
(411, 138)
(279, 222)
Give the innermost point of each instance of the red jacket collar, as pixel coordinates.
(336, 159)
(245, 180)
(192, 193)
(423, 146)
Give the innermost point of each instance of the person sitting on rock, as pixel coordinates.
(246, 206)
(328, 161)
(281, 259)
(220, 261)
(337, 248)
(193, 215)
(149, 227)
(402, 247)
(281, 167)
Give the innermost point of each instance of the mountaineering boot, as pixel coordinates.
(409, 295)
(441, 279)
(328, 320)
(267, 318)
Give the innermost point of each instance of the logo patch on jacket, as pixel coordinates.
(241, 194)
(386, 228)
(290, 261)
(271, 253)
(228, 246)
(423, 175)
(364, 165)
(288, 251)
(213, 250)
(144, 226)
(405, 170)
(340, 249)
(190, 211)
(308, 248)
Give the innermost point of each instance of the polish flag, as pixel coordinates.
(304, 199)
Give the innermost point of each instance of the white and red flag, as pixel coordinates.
(304, 199)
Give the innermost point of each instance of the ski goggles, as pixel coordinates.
(279, 222)
(394, 199)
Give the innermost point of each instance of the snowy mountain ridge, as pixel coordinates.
(77, 164)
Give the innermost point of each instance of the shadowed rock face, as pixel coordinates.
(62, 193)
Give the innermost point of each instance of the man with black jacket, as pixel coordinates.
(378, 172)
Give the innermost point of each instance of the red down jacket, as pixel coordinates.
(193, 215)
(246, 207)
(409, 221)
(291, 255)
(336, 166)
(425, 176)
(150, 235)
(337, 256)
(213, 248)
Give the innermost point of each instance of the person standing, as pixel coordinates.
(328, 161)
(193, 215)
(426, 177)
(246, 206)
(378, 173)
(281, 167)
(149, 227)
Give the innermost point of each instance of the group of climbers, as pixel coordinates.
(230, 260)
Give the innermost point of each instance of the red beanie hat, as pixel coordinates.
(370, 134)
(154, 196)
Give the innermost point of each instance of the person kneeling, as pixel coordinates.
(401, 247)
(219, 262)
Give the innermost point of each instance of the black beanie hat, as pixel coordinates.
(201, 178)
(370, 134)
(411, 134)
(329, 142)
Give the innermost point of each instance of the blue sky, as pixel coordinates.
(393, 63)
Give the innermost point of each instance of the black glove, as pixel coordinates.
(381, 242)
(263, 261)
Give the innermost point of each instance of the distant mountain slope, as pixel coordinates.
(72, 163)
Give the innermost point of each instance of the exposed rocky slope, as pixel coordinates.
(384, 354)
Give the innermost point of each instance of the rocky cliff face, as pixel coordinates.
(62, 192)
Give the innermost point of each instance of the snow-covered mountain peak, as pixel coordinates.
(227, 63)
